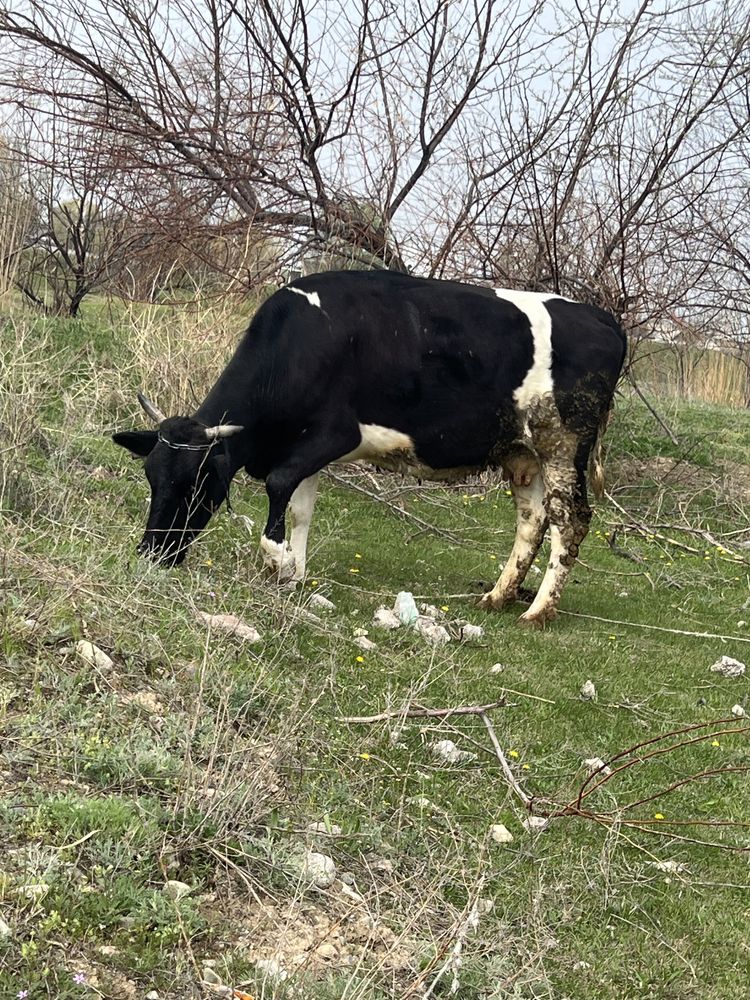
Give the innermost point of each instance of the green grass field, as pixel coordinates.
(200, 758)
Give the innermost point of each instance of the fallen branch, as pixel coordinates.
(657, 628)
(652, 532)
(405, 514)
(507, 770)
(429, 713)
(657, 417)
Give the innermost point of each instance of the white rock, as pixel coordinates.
(319, 869)
(588, 691)
(405, 608)
(271, 969)
(93, 656)
(422, 802)
(597, 764)
(741, 623)
(581, 966)
(364, 643)
(152, 995)
(449, 752)
(728, 667)
(176, 890)
(36, 890)
(5, 930)
(231, 624)
(497, 668)
(358, 632)
(146, 700)
(321, 603)
(738, 712)
(672, 867)
(324, 829)
(501, 834)
(535, 570)
(385, 618)
(434, 633)
(326, 951)
(535, 824)
(471, 632)
(623, 593)
(430, 610)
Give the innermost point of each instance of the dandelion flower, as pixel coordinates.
(357, 555)
(658, 816)
(363, 756)
(444, 607)
(354, 569)
(360, 659)
(715, 743)
(514, 753)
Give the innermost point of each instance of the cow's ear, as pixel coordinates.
(139, 443)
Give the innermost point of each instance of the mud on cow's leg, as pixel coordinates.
(569, 515)
(531, 522)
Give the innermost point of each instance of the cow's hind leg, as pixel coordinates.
(531, 522)
(569, 515)
(295, 481)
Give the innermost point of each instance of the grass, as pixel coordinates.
(201, 759)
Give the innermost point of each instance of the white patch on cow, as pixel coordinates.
(312, 297)
(379, 442)
(538, 380)
(278, 559)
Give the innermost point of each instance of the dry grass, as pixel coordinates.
(697, 376)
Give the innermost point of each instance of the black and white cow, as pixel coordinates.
(434, 378)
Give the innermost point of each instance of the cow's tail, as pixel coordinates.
(596, 457)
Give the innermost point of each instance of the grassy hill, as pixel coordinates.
(197, 758)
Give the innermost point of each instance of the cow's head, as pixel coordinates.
(189, 472)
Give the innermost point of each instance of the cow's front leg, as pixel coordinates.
(295, 482)
(569, 517)
(301, 507)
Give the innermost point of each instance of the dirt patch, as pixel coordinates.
(660, 469)
(304, 936)
(736, 480)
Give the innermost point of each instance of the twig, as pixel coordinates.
(431, 713)
(507, 771)
(651, 530)
(657, 628)
(405, 514)
(660, 421)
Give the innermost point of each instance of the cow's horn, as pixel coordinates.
(153, 411)
(222, 431)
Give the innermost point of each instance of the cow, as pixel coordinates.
(430, 377)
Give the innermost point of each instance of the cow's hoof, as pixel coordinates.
(278, 560)
(496, 602)
(537, 619)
